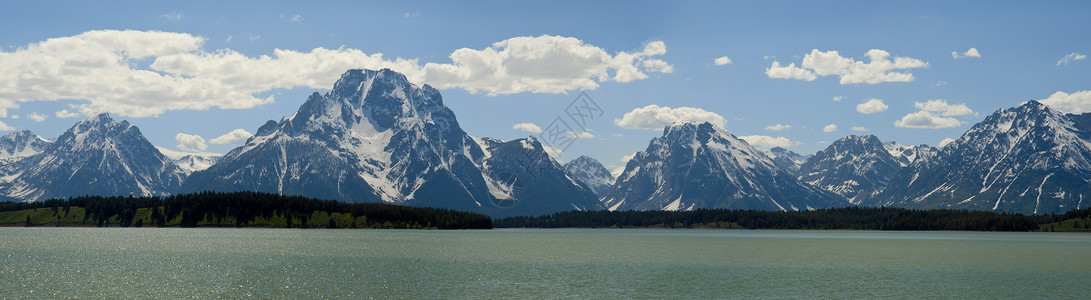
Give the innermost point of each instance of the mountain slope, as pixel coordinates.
(590, 172)
(856, 167)
(1028, 159)
(700, 166)
(377, 137)
(97, 156)
(21, 144)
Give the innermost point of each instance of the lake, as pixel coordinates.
(539, 263)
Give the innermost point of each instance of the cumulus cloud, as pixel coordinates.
(837, 98)
(830, 128)
(234, 137)
(722, 60)
(293, 18)
(542, 64)
(926, 120)
(778, 127)
(190, 142)
(581, 135)
(859, 128)
(945, 141)
(941, 107)
(1070, 58)
(103, 68)
(5, 127)
(527, 127)
(934, 114)
(969, 53)
(655, 117)
(65, 114)
(1076, 102)
(789, 72)
(764, 142)
(880, 68)
(871, 106)
(36, 117)
(554, 152)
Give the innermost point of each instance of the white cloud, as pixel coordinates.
(945, 141)
(293, 18)
(37, 117)
(837, 98)
(789, 72)
(554, 152)
(228, 40)
(1076, 102)
(14, 116)
(172, 16)
(655, 117)
(189, 142)
(102, 68)
(1070, 58)
(234, 137)
(941, 83)
(778, 127)
(940, 106)
(255, 37)
(830, 128)
(969, 53)
(722, 60)
(528, 127)
(543, 64)
(871, 106)
(859, 128)
(581, 135)
(412, 15)
(880, 68)
(65, 114)
(764, 142)
(629, 157)
(5, 127)
(934, 114)
(926, 120)
(615, 172)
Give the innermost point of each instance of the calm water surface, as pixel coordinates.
(539, 263)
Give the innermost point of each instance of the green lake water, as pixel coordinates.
(539, 263)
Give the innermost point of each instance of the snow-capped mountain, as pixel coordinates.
(17, 145)
(856, 167)
(701, 166)
(189, 161)
(908, 154)
(787, 159)
(377, 137)
(97, 156)
(1028, 159)
(590, 172)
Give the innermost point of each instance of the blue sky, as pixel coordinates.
(1020, 47)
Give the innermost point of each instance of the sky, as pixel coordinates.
(201, 76)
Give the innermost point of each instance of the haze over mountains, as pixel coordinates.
(376, 137)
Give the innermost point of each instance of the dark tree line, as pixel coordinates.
(242, 208)
(859, 218)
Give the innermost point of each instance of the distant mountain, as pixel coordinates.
(17, 145)
(701, 166)
(97, 156)
(787, 160)
(190, 162)
(377, 137)
(1029, 159)
(856, 167)
(908, 154)
(590, 172)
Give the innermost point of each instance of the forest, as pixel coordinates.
(237, 209)
(854, 218)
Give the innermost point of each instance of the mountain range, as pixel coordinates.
(376, 137)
